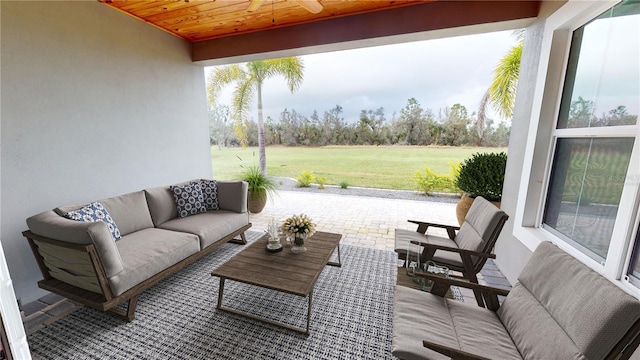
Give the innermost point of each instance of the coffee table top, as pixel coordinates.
(283, 271)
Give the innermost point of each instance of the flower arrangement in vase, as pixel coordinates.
(299, 227)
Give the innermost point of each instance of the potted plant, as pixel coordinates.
(260, 188)
(480, 175)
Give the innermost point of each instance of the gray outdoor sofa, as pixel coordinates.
(81, 261)
(558, 309)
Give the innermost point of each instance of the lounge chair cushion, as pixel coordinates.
(421, 316)
(589, 311)
(479, 224)
(445, 258)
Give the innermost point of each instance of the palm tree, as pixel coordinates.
(502, 92)
(249, 82)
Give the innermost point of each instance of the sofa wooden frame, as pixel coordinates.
(75, 272)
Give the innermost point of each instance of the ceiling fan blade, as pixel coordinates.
(312, 6)
(254, 5)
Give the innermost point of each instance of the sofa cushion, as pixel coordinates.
(232, 195)
(419, 315)
(95, 212)
(129, 211)
(189, 199)
(162, 205)
(210, 226)
(210, 193)
(147, 252)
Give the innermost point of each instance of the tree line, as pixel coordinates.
(451, 126)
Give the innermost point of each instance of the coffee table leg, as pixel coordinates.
(339, 263)
(220, 292)
(309, 311)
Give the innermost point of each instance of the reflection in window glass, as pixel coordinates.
(584, 191)
(603, 77)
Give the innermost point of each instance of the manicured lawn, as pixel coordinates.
(387, 167)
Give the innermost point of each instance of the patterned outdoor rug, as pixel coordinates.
(351, 317)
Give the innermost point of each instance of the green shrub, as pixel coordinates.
(344, 184)
(321, 180)
(305, 178)
(483, 175)
(430, 181)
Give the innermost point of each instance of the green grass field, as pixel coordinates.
(386, 167)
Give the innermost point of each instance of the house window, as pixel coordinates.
(596, 131)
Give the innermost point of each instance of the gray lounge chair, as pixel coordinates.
(558, 309)
(467, 248)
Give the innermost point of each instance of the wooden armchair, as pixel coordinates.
(559, 309)
(466, 249)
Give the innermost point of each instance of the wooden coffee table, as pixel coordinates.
(282, 271)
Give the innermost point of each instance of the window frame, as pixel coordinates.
(539, 151)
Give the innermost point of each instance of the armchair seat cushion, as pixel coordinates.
(418, 316)
(444, 258)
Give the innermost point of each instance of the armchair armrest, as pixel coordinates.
(458, 250)
(454, 354)
(423, 226)
(442, 284)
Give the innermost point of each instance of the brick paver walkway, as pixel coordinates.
(363, 221)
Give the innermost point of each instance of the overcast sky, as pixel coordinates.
(438, 73)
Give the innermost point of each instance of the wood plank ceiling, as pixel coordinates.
(198, 20)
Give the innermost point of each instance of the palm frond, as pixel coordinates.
(221, 77)
(505, 82)
(242, 97)
(292, 68)
(482, 113)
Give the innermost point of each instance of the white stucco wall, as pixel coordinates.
(511, 254)
(94, 104)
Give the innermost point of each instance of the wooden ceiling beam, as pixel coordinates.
(398, 21)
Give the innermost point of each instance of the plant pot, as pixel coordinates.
(463, 206)
(256, 203)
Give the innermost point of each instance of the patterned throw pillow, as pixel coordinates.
(210, 192)
(92, 213)
(189, 199)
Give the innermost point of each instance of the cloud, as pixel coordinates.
(438, 73)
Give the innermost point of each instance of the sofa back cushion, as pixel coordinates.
(95, 212)
(162, 204)
(232, 195)
(129, 211)
(559, 301)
